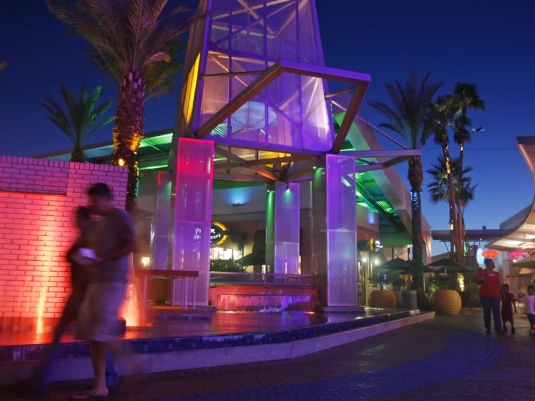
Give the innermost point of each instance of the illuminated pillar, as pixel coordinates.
(335, 230)
(162, 216)
(282, 228)
(192, 212)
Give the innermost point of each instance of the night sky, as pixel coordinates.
(488, 42)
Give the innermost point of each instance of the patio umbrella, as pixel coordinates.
(399, 264)
(257, 258)
(527, 262)
(395, 264)
(449, 266)
(518, 272)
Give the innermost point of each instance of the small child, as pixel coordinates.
(508, 302)
(529, 307)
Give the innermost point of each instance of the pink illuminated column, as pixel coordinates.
(335, 231)
(160, 225)
(192, 211)
(282, 228)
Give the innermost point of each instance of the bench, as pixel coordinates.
(173, 275)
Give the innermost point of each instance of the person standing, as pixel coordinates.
(490, 294)
(112, 240)
(529, 308)
(79, 282)
(508, 302)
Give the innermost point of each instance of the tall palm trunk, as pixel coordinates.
(453, 208)
(77, 154)
(460, 219)
(128, 132)
(452, 231)
(416, 179)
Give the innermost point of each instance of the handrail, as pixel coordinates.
(168, 273)
(262, 278)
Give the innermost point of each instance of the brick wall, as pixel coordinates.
(37, 201)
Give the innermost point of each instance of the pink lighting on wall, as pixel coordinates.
(37, 202)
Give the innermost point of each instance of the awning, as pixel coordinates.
(527, 262)
(520, 273)
(448, 266)
(523, 237)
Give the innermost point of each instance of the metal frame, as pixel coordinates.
(358, 84)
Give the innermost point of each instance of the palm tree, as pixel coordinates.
(135, 42)
(80, 118)
(464, 197)
(409, 117)
(439, 187)
(468, 99)
(445, 111)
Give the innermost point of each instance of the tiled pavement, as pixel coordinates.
(448, 358)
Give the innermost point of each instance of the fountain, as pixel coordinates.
(132, 308)
(265, 303)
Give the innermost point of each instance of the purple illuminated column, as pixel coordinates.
(282, 228)
(192, 212)
(335, 231)
(162, 216)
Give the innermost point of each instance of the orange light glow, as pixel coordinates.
(130, 310)
(491, 254)
(40, 312)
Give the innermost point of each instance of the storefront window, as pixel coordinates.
(225, 254)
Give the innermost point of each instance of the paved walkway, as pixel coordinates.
(448, 358)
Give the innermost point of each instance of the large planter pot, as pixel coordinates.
(446, 302)
(399, 298)
(383, 299)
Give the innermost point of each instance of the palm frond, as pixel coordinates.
(135, 36)
(58, 117)
(439, 187)
(82, 24)
(408, 115)
(81, 116)
(469, 96)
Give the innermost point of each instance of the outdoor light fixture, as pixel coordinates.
(145, 261)
(120, 162)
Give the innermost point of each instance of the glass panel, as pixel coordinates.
(192, 211)
(250, 35)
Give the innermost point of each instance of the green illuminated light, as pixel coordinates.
(386, 206)
(153, 167)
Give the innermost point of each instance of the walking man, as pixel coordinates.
(112, 240)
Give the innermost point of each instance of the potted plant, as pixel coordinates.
(384, 298)
(446, 300)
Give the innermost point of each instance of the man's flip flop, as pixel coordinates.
(87, 396)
